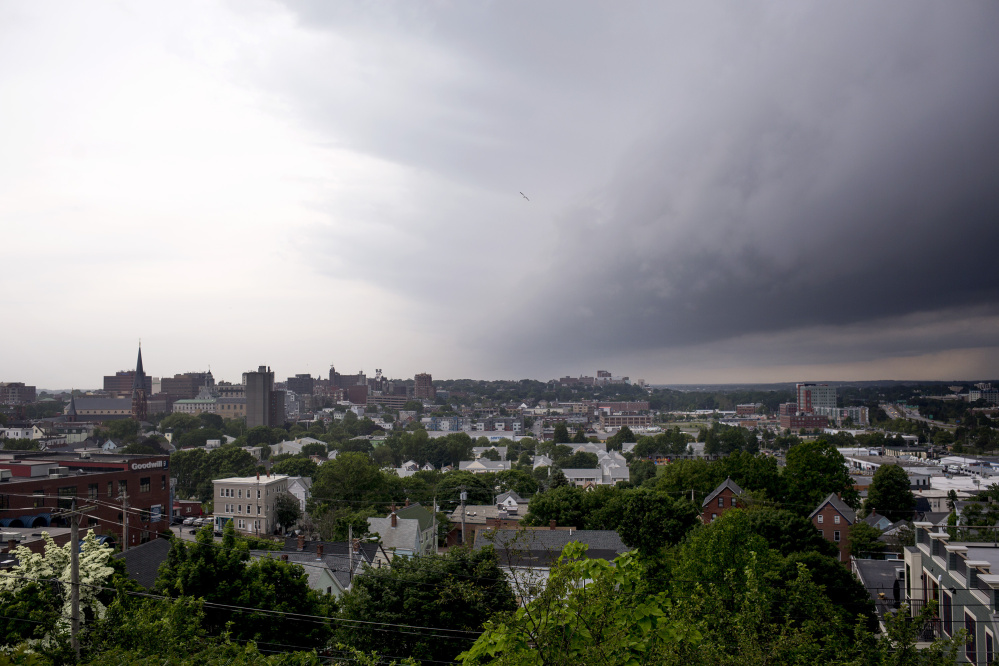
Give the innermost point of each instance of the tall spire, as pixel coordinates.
(139, 380)
(71, 409)
(139, 402)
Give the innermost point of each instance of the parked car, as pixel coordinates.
(189, 521)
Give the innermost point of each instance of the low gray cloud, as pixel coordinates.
(697, 174)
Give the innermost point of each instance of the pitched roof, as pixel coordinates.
(139, 379)
(142, 562)
(419, 512)
(727, 483)
(405, 535)
(542, 547)
(840, 506)
(510, 495)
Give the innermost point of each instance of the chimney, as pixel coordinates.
(407, 501)
(258, 476)
(11, 545)
(551, 524)
(395, 520)
(301, 542)
(356, 545)
(319, 551)
(284, 557)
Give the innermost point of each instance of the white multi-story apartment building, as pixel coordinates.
(248, 501)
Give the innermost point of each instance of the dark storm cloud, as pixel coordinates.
(708, 174)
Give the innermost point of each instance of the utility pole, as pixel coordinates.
(74, 573)
(464, 496)
(350, 554)
(123, 496)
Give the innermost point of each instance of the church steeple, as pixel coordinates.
(140, 406)
(71, 409)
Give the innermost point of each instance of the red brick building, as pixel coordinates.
(833, 518)
(728, 495)
(806, 421)
(34, 486)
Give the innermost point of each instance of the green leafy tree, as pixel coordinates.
(788, 532)
(890, 494)
(561, 435)
(563, 504)
(557, 479)
(582, 460)
(590, 611)
(623, 436)
(287, 509)
(864, 542)
(222, 574)
(351, 478)
(458, 592)
(491, 454)
(652, 520)
(579, 437)
(642, 471)
(812, 471)
(296, 466)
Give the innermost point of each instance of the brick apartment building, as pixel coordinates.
(728, 495)
(34, 486)
(833, 518)
(630, 420)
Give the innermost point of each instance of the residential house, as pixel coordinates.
(142, 562)
(728, 495)
(300, 487)
(833, 518)
(410, 531)
(484, 465)
(527, 556)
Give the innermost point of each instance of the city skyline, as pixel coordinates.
(680, 193)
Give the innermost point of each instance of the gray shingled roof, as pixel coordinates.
(727, 483)
(838, 504)
(406, 534)
(542, 547)
(143, 562)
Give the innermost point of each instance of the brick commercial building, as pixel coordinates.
(16, 393)
(35, 486)
(187, 385)
(424, 387)
(630, 420)
(806, 421)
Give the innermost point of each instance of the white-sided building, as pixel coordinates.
(248, 501)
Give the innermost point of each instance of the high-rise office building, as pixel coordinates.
(424, 389)
(187, 385)
(811, 396)
(301, 384)
(264, 405)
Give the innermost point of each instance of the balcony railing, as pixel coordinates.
(931, 628)
(962, 567)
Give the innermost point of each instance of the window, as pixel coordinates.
(713, 517)
(733, 501)
(721, 502)
(92, 490)
(122, 487)
(258, 509)
(948, 616)
(836, 536)
(820, 517)
(144, 515)
(240, 493)
(39, 498)
(144, 484)
(163, 482)
(258, 494)
(66, 496)
(836, 519)
(240, 508)
(110, 488)
(969, 650)
(249, 509)
(989, 648)
(221, 492)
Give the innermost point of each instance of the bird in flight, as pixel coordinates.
(524, 195)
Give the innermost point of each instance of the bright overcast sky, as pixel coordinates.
(718, 191)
